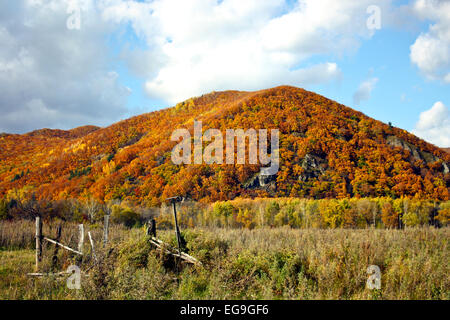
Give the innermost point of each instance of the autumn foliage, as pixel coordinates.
(356, 156)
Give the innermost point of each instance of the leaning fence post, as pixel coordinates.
(177, 230)
(81, 238)
(105, 230)
(38, 242)
(92, 246)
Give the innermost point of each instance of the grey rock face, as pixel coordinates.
(313, 167)
(261, 181)
(446, 169)
(426, 157)
(415, 152)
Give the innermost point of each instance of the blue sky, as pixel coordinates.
(401, 93)
(130, 57)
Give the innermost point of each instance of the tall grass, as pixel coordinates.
(20, 234)
(263, 263)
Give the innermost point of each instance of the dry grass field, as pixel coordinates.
(263, 263)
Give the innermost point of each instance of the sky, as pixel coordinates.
(68, 63)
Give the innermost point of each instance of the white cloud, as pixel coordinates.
(434, 125)
(54, 77)
(51, 76)
(431, 50)
(200, 46)
(364, 90)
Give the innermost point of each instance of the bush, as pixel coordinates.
(223, 209)
(134, 253)
(444, 213)
(125, 216)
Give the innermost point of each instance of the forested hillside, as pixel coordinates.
(327, 150)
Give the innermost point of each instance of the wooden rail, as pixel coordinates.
(172, 251)
(62, 246)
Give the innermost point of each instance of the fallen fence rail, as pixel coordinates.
(172, 251)
(62, 246)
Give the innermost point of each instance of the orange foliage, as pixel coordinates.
(130, 160)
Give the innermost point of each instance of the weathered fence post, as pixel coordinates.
(92, 246)
(81, 238)
(177, 230)
(151, 230)
(174, 201)
(105, 230)
(38, 242)
(55, 252)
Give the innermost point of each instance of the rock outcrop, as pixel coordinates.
(313, 166)
(259, 181)
(426, 157)
(415, 152)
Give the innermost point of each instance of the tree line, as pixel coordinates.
(380, 212)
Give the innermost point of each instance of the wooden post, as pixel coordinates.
(92, 246)
(105, 230)
(81, 238)
(55, 252)
(177, 230)
(61, 245)
(38, 242)
(151, 228)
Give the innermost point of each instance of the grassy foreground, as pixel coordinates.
(277, 263)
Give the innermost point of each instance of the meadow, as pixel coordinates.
(237, 263)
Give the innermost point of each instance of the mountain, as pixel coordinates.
(67, 134)
(326, 150)
(447, 149)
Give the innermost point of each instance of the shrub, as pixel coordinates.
(133, 253)
(444, 213)
(125, 216)
(223, 209)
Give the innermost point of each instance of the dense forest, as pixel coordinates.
(327, 150)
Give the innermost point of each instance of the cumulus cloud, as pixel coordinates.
(51, 76)
(200, 46)
(364, 90)
(434, 125)
(431, 50)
